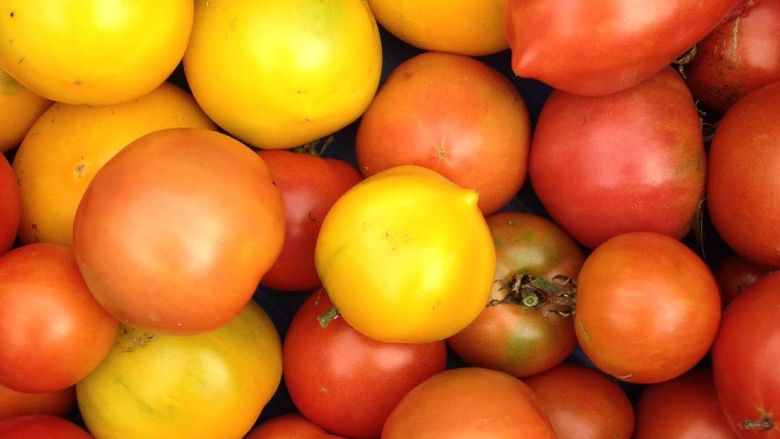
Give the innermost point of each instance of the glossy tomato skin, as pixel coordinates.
(686, 407)
(739, 56)
(518, 339)
(52, 330)
(10, 205)
(309, 186)
(345, 381)
(744, 358)
(583, 403)
(452, 114)
(176, 230)
(631, 161)
(481, 403)
(742, 187)
(59, 403)
(290, 426)
(735, 274)
(595, 49)
(648, 308)
(40, 426)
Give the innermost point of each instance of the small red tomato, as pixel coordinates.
(735, 274)
(10, 205)
(40, 427)
(291, 426)
(59, 403)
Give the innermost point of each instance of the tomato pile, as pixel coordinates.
(379, 219)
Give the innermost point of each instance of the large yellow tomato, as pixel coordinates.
(206, 386)
(93, 51)
(466, 27)
(70, 143)
(406, 256)
(19, 109)
(278, 74)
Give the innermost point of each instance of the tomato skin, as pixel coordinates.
(40, 426)
(595, 49)
(481, 403)
(291, 426)
(452, 114)
(10, 205)
(173, 269)
(648, 308)
(52, 331)
(735, 274)
(20, 109)
(309, 186)
(59, 403)
(744, 358)
(595, 186)
(742, 187)
(345, 381)
(583, 403)
(686, 407)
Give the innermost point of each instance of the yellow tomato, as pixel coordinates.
(70, 143)
(278, 74)
(19, 109)
(93, 51)
(466, 27)
(211, 385)
(406, 256)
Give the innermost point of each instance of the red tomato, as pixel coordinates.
(469, 403)
(648, 308)
(745, 358)
(53, 332)
(598, 48)
(290, 426)
(584, 404)
(174, 233)
(345, 381)
(739, 56)
(631, 161)
(452, 114)
(520, 338)
(10, 205)
(735, 274)
(684, 408)
(40, 427)
(309, 186)
(59, 403)
(742, 185)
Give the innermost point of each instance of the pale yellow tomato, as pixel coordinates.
(406, 256)
(70, 143)
(19, 109)
(466, 27)
(93, 51)
(278, 74)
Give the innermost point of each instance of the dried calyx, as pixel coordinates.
(556, 296)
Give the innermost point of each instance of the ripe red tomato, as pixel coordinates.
(291, 426)
(745, 356)
(631, 161)
(469, 403)
(742, 184)
(345, 381)
(735, 274)
(739, 56)
(452, 114)
(309, 186)
(174, 233)
(40, 427)
(13, 403)
(53, 332)
(583, 403)
(598, 48)
(685, 407)
(648, 308)
(517, 337)
(10, 205)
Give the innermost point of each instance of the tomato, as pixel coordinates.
(686, 408)
(512, 335)
(454, 115)
(95, 52)
(343, 380)
(309, 186)
(589, 48)
(469, 403)
(10, 205)
(631, 161)
(406, 256)
(739, 56)
(213, 384)
(735, 275)
(20, 109)
(742, 188)
(52, 331)
(282, 74)
(744, 359)
(466, 27)
(289, 426)
(59, 403)
(68, 145)
(40, 426)
(584, 404)
(648, 308)
(176, 230)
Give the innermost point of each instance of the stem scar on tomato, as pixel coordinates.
(557, 296)
(766, 423)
